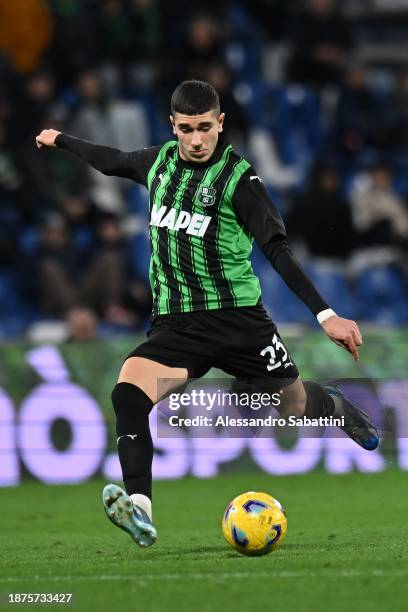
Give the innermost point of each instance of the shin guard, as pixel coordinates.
(135, 446)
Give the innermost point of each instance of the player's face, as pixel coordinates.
(197, 134)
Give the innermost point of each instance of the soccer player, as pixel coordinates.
(207, 204)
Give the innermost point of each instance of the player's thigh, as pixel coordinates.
(155, 379)
(292, 399)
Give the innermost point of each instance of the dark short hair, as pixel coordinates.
(194, 98)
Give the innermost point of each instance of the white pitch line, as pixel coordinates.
(216, 576)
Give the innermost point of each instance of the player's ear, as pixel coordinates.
(173, 125)
(221, 122)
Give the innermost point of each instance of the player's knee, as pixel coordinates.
(132, 407)
(154, 379)
(130, 396)
(136, 373)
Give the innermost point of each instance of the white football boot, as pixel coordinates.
(132, 519)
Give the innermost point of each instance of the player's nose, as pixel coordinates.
(196, 140)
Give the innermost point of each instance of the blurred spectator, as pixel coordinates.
(106, 120)
(25, 32)
(104, 280)
(14, 198)
(379, 214)
(360, 121)
(64, 283)
(75, 44)
(33, 104)
(146, 25)
(320, 217)
(5, 107)
(176, 17)
(54, 181)
(115, 35)
(82, 325)
(103, 119)
(138, 300)
(105, 283)
(236, 125)
(273, 16)
(203, 45)
(322, 45)
(145, 21)
(57, 269)
(398, 108)
(11, 176)
(80, 215)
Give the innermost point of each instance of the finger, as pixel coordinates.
(357, 338)
(352, 348)
(360, 337)
(341, 344)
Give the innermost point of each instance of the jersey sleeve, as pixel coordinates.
(134, 165)
(255, 210)
(259, 216)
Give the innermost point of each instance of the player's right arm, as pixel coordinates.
(134, 165)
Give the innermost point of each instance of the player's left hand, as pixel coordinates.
(344, 333)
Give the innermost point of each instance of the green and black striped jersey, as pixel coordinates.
(203, 220)
(199, 249)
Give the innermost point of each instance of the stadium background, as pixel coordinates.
(316, 97)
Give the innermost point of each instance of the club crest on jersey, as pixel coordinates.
(206, 196)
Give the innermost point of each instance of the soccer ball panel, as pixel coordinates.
(270, 500)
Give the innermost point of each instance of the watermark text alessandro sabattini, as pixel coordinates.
(211, 401)
(227, 421)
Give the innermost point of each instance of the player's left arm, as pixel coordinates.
(259, 216)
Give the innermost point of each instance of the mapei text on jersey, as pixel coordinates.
(195, 224)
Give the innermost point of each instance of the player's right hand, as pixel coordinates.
(47, 138)
(344, 333)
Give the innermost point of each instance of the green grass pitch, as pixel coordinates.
(346, 547)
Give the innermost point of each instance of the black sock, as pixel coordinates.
(318, 402)
(135, 446)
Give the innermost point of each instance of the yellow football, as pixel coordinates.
(254, 523)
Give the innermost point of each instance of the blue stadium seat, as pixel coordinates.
(137, 200)
(283, 305)
(82, 239)
(242, 52)
(150, 104)
(139, 255)
(304, 108)
(10, 304)
(259, 262)
(382, 295)
(12, 327)
(331, 282)
(28, 240)
(401, 183)
(291, 114)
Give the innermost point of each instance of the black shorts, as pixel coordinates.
(243, 342)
